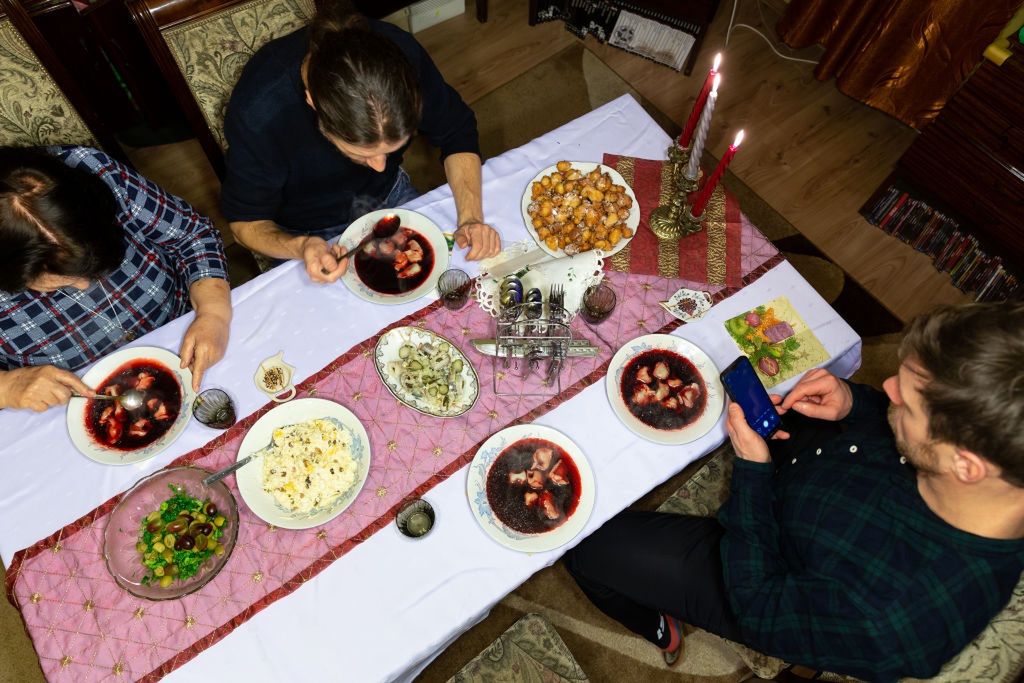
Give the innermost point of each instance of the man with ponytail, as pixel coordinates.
(316, 128)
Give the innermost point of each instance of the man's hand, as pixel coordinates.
(39, 388)
(821, 395)
(483, 240)
(747, 443)
(203, 345)
(322, 260)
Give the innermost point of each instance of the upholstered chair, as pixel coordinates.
(39, 102)
(202, 46)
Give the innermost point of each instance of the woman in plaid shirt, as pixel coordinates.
(93, 255)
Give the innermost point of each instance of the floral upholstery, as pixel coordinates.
(996, 655)
(530, 651)
(212, 51)
(33, 110)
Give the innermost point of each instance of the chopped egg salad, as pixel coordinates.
(309, 465)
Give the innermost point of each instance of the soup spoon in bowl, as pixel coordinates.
(129, 400)
(386, 227)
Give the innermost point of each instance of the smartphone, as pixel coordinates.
(744, 387)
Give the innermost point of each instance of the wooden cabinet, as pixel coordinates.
(971, 158)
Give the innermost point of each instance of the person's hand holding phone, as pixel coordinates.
(747, 443)
(820, 395)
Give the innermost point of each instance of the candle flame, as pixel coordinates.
(715, 83)
(718, 62)
(738, 140)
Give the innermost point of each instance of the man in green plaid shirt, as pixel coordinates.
(876, 537)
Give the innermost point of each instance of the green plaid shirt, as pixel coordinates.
(835, 562)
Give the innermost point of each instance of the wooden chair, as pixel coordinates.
(201, 47)
(40, 104)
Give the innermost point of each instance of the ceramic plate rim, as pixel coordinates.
(476, 482)
(79, 435)
(382, 371)
(352, 235)
(707, 420)
(584, 167)
(249, 479)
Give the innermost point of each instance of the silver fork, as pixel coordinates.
(556, 312)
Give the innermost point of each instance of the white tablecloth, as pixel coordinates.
(391, 604)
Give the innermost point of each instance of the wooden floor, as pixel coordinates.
(811, 152)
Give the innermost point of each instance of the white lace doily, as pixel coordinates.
(575, 273)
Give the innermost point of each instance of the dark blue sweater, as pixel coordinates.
(281, 168)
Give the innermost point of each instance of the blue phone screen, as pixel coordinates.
(746, 389)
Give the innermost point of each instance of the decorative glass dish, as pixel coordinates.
(125, 534)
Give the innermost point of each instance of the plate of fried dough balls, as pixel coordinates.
(576, 206)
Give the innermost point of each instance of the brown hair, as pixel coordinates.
(973, 358)
(54, 219)
(363, 88)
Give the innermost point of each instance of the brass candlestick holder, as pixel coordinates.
(674, 220)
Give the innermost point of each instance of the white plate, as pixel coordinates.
(476, 490)
(360, 227)
(250, 478)
(387, 351)
(715, 396)
(93, 449)
(584, 167)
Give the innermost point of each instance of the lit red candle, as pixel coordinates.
(698, 106)
(704, 193)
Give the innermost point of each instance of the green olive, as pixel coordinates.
(159, 571)
(159, 547)
(155, 514)
(168, 555)
(171, 569)
(219, 550)
(141, 547)
(202, 541)
(169, 540)
(200, 517)
(165, 581)
(219, 520)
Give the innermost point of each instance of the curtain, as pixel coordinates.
(904, 57)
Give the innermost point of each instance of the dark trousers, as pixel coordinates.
(641, 564)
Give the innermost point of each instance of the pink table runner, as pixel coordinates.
(85, 628)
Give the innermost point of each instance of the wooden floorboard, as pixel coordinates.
(811, 152)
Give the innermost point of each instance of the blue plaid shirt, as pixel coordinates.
(836, 562)
(168, 247)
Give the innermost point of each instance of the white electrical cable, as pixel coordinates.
(733, 24)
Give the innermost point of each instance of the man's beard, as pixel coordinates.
(922, 456)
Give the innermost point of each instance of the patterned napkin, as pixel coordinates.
(777, 341)
(575, 273)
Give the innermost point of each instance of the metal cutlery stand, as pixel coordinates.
(532, 347)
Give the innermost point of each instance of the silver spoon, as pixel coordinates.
(129, 400)
(386, 227)
(235, 466)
